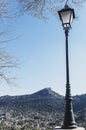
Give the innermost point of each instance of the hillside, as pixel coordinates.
(43, 109)
(43, 100)
(79, 102)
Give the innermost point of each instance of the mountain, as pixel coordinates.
(79, 102)
(44, 100)
(47, 100)
(43, 109)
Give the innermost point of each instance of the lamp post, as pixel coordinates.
(66, 16)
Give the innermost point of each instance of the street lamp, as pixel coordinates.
(66, 16)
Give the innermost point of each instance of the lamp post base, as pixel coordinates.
(60, 128)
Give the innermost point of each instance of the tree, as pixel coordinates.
(42, 8)
(6, 62)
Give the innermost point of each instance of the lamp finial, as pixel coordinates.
(66, 3)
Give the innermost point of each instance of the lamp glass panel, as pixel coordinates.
(66, 17)
(71, 17)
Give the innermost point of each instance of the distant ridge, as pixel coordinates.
(45, 100)
(46, 92)
(79, 102)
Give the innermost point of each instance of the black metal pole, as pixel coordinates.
(69, 120)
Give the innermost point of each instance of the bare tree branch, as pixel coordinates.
(3, 9)
(6, 64)
(40, 8)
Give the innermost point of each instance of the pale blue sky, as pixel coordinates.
(40, 47)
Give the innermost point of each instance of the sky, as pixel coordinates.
(39, 46)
